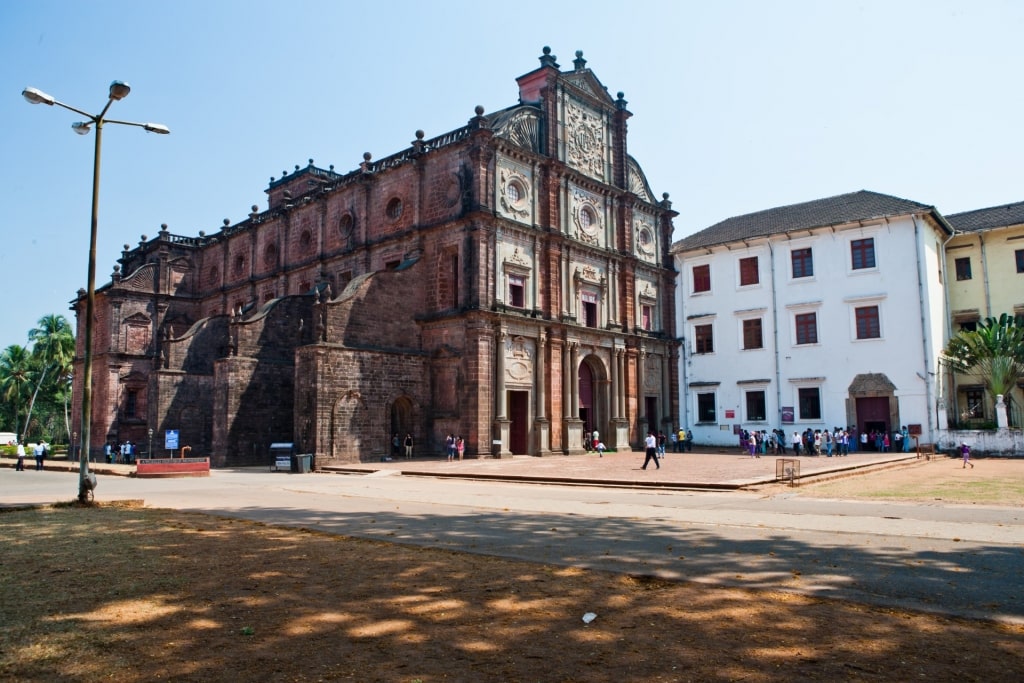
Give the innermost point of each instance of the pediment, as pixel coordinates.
(587, 84)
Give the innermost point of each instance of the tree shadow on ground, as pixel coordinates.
(139, 594)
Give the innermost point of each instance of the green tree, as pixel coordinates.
(994, 352)
(15, 379)
(53, 350)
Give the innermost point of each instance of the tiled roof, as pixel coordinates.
(986, 219)
(844, 208)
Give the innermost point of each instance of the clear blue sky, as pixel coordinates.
(737, 106)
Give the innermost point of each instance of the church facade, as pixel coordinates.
(509, 281)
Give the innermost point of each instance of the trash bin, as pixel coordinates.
(496, 448)
(302, 463)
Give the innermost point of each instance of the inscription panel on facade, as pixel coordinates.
(519, 355)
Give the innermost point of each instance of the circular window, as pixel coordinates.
(346, 224)
(645, 238)
(514, 192)
(394, 209)
(587, 218)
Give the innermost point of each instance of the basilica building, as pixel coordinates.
(508, 281)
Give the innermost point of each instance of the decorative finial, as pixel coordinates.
(255, 209)
(143, 237)
(310, 162)
(479, 110)
(227, 222)
(579, 62)
(367, 156)
(548, 59)
(419, 135)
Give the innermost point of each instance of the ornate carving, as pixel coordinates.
(514, 194)
(645, 240)
(586, 216)
(638, 183)
(520, 127)
(585, 140)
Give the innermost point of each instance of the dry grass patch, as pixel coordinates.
(132, 594)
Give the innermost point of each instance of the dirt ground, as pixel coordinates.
(126, 593)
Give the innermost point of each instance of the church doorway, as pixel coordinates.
(593, 399)
(401, 419)
(519, 429)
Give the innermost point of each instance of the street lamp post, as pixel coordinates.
(150, 452)
(118, 91)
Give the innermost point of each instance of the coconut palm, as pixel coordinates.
(15, 378)
(994, 351)
(53, 350)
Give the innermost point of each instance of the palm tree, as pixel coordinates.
(994, 351)
(15, 377)
(53, 348)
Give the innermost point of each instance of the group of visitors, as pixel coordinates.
(124, 453)
(681, 440)
(835, 442)
(40, 451)
(455, 446)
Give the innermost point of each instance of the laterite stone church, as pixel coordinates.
(508, 281)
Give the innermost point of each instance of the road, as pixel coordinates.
(958, 560)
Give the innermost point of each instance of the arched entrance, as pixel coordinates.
(401, 421)
(874, 405)
(593, 390)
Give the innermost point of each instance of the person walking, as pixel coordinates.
(40, 453)
(651, 449)
(20, 465)
(460, 447)
(965, 452)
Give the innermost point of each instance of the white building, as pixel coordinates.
(822, 314)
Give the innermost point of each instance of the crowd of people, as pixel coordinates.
(835, 442)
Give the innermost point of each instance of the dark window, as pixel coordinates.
(756, 406)
(704, 341)
(516, 291)
(394, 209)
(752, 338)
(807, 328)
(647, 317)
(963, 268)
(975, 404)
(862, 253)
(702, 278)
(454, 293)
(748, 271)
(1019, 255)
(706, 408)
(803, 264)
(131, 403)
(392, 265)
(590, 314)
(969, 326)
(810, 404)
(867, 322)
